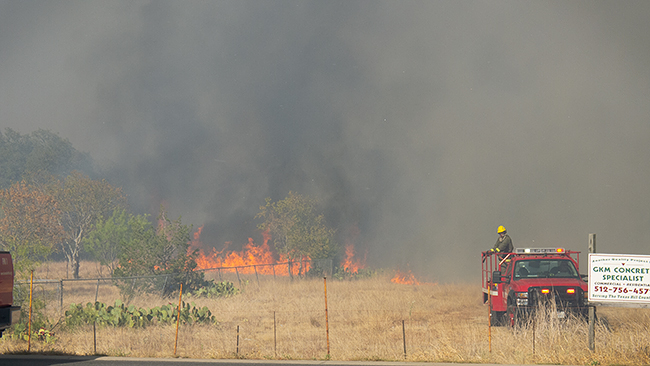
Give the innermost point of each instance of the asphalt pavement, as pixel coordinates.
(45, 360)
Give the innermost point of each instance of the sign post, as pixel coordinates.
(592, 309)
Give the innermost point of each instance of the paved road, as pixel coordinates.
(39, 360)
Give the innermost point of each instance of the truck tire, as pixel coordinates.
(496, 318)
(512, 315)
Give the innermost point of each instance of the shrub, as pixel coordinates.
(342, 274)
(216, 289)
(40, 321)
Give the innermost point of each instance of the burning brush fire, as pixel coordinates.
(405, 278)
(251, 259)
(262, 260)
(350, 263)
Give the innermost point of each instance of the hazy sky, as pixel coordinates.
(423, 124)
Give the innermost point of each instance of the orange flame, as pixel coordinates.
(251, 259)
(405, 278)
(350, 263)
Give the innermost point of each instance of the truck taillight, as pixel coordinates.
(570, 291)
(545, 291)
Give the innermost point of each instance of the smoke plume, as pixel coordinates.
(420, 125)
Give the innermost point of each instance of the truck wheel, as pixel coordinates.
(512, 316)
(496, 318)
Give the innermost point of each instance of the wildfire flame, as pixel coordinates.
(405, 278)
(251, 259)
(261, 259)
(350, 263)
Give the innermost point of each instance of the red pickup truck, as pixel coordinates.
(516, 283)
(9, 314)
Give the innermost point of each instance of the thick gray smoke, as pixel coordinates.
(424, 125)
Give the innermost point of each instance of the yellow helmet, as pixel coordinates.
(501, 229)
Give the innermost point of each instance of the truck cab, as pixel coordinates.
(515, 284)
(9, 314)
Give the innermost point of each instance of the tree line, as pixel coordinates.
(49, 203)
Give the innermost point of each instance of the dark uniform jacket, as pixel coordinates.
(503, 245)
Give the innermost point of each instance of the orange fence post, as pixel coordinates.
(178, 317)
(489, 284)
(31, 290)
(327, 324)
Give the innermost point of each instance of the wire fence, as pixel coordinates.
(301, 268)
(296, 324)
(63, 292)
(283, 333)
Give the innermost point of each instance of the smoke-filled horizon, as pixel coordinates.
(421, 126)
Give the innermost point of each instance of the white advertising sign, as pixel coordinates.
(619, 278)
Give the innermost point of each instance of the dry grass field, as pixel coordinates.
(442, 323)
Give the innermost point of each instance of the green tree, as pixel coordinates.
(83, 202)
(41, 152)
(297, 228)
(159, 251)
(29, 224)
(108, 236)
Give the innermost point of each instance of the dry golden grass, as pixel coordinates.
(443, 323)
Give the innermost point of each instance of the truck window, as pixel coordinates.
(545, 268)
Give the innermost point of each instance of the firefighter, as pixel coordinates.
(504, 243)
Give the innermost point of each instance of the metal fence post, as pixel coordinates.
(238, 339)
(404, 337)
(61, 293)
(592, 309)
(97, 290)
